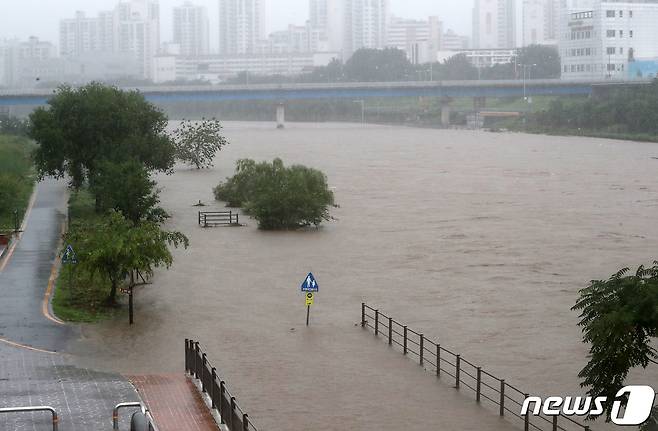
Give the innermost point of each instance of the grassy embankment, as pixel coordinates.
(80, 296)
(17, 179)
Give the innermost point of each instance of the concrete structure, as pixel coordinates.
(241, 26)
(451, 41)
(421, 40)
(138, 32)
(327, 23)
(599, 38)
(191, 29)
(483, 58)
(295, 39)
(494, 24)
(540, 22)
(24, 63)
(366, 23)
(216, 69)
(132, 29)
(82, 34)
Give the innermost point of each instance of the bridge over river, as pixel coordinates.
(444, 90)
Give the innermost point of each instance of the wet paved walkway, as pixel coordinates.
(83, 398)
(174, 402)
(24, 279)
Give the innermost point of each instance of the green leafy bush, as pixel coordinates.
(278, 197)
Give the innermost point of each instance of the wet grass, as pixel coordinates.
(80, 296)
(16, 179)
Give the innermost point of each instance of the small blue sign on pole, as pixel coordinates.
(69, 256)
(309, 284)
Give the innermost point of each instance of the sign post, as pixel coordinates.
(70, 259)
(310, 287)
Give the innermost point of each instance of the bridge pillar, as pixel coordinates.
(280, 116)
(445, 112)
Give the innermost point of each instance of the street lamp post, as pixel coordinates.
(363, 110)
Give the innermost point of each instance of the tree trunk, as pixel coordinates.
(112, 298)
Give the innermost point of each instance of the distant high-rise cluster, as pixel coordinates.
(494, 24)
(192, 29)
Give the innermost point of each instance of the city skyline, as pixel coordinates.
(284, 12)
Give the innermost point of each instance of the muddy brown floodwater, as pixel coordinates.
(479, 239)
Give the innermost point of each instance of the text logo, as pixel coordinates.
(636, 412)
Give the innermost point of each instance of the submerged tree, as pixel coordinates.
(114, 246)
(619, 318)
(197, 143)
(83, 127)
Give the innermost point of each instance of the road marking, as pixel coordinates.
(14, 243)
(25, 346)
(45, 305)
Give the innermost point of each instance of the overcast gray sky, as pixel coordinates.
(23, 18)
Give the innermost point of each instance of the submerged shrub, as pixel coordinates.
(278, 197)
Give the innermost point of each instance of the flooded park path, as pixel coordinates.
(481, 240)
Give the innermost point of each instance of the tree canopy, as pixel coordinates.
(279, 197)
(619, 317)
(113, 246)
(197, 142)
(82, 127)
(378, 65)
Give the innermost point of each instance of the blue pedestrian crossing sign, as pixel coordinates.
(309, 284)
(69, 256)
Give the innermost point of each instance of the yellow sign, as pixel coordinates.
(309, 298)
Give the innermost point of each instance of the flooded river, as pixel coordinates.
(479, 239)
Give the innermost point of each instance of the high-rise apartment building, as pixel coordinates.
(137, 24)
(191, 29)
(131, 29)
(420, 40)
(494, 24)
(607, 39)
(540, 22)
(366, 23)
(241, 26)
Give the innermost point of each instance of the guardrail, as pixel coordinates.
(442, 361)
(218, 218)
(232, 416)
(34, 409)
(145, 412)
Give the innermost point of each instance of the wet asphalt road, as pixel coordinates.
(24, 280)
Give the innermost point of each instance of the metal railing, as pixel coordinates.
(52, 411)
(232, 416)
(443, 362)
(145, 412)
(218, 218)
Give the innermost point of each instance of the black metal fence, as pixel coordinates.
(445, 363)
(218, 218)
(196, 363)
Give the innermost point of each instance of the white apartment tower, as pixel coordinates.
(137, 24)
(191, 29)
(327, 25)
(541, 22)
(602, 39)
(494, 24)
(241, 26)
(420, 40)
(366, 23)
(82, 34)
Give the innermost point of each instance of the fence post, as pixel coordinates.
(405, 339)
(363, 314)
(479, 385)
(502, 397)
(438, 360)
(199, 218)
(554, 423)
(17, 226)
(203, 373)
(390, 331)
(458, 365)
(422, 348)
(222, 392)
(376, 322)
(232, 413)
(196, 356)
(237, 218)
(213, 375)
(187, 356)
(245, 422)
(526, 419)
